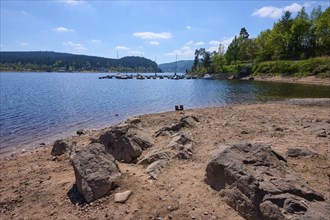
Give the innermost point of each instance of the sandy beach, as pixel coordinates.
(36, 185)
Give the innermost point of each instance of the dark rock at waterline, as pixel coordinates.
(96, 171)
(256, 182)
(244, 72)
(81, 132)
(125, 142)
(60, 147)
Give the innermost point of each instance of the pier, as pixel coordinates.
(142, 77)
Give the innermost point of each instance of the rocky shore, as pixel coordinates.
(255, 161)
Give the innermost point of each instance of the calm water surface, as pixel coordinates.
(40, 107)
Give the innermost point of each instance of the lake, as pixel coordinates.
(41, 107)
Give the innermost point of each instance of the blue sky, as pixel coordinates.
(153, 29)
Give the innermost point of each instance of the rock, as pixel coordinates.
(81, 132)
(134, 120)
(96, 171)
(183, 144)
(244, 72)
(170, 130)
(189, 120)
(295, 152)
(60, 147)
(123, 196)
(320, 129)
(125, 142)
(154, 155)
(156, 168)
(257, 182)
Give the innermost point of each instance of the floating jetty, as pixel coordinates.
(141, 77)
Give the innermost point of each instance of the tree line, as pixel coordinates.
(53, 61)
(302, 37)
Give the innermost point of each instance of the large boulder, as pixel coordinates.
(96, 171)
(125, 142)
(257, 182)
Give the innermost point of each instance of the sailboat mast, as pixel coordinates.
(176, 60)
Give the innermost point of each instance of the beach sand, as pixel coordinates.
(35, 185)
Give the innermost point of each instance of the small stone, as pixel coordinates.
(205, 213)
(122, 197)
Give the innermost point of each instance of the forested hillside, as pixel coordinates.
(64, 62)
(294, 46)
(181, 66)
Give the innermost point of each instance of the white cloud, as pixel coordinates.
(122, 48)
(73, 2)
(275, 12)
(293, 8)
(185, 52)
(95, 41)
(200, 43)
(134, 52)
(155, 43)
(153, 35)
(23, 43)
(75, 46)
(63, 29)
(186, 48)
(188, 27)
(214, 42)
(268, 11)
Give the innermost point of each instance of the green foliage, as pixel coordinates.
(315, 66)
(286, 49)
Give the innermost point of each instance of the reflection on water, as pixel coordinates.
(36, 107)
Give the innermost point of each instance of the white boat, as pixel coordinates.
(208, 76)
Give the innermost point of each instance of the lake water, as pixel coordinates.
(41, 107)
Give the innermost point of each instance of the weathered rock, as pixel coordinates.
(134, 120)
(257, 182)
(156, 168)
(96, 171)
(60, 147)
(189, 120)
(183, 144)
(295, 152)
(81, 132)
(123, 196)
(125, 142)
(321, 129)
(154, 155)
(174, 128)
